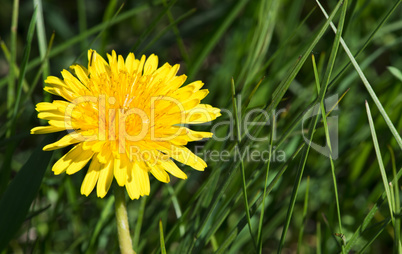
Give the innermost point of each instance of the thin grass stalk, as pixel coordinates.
(259, 234)
(366, 84)
(243, 174)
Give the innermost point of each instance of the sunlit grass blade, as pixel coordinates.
(380, 162)
(325, 84)
(397, 73)
(367, 85)
(304, 156)
(369, 39)
(41, 34)
(38, 75)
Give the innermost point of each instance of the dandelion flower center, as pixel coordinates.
(125, 118)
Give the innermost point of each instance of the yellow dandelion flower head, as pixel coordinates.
(126, 118)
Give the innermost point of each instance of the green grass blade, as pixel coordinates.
(108, 15)
(24, 64)
(370, 215)
(397, 73)
(318, 242)
(368, 86)
(151, 27)
(305, 207)
(163, 248)
(397, 205)
(254, 207)
(15, 69)
(19, 195)
(164, 30)
(326, 79)
(299, 176)
(138, 224)
(41, 34)
(6, 166)
(176, 32)
(259, 234)
(106, 215)
(377, 28)
(375, 236)
(13, 57)
(243, 174)
(380, 161)
(193, 69)
(176, 207)
(82, 22)
(77, 39)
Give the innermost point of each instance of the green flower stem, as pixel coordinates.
(123, 231)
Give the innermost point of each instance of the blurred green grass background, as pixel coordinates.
(266, 47)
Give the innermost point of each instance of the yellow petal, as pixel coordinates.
(141, 178)
(159, 173)
(45, 106)
(151, 64)
(79, 162)
(173, 169)
(63, 142)
(64, 162)
(173, 71)
(81, 72)
(105, 178)
(46, 129)
(130, 63)
(120, 170)
(91, 178)
(132, 187)
(185, 156)
(73, 83)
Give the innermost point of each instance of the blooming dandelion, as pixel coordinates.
(125, 118)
